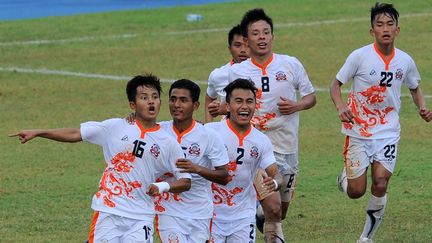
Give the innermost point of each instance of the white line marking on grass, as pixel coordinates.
(123, 78)
(78, 39)
(197, 31)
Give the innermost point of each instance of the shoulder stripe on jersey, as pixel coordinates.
(386, 61)
(143, 130)
(263, 67)
(239, 136)
(181, 134)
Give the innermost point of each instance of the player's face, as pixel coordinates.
(260, 38)
(181, 105)
(241, 106)
(147, 103)
(239, 49)
(384, 29)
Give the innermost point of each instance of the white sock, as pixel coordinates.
(273, 232)
(374, 212)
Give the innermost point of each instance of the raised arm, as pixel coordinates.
(345, 114)
(69, 135)
(420, 102)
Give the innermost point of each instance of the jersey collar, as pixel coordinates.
(263, 67)
(239, 136)
(143, 130)
(181, 134)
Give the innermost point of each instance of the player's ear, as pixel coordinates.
(132, 105)
(196, 105)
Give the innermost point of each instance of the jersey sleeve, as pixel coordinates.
(348, 70)
(303, 84)
(267, 157)
(412, 79)
(217, 152)
(96, 132)
(211, 87)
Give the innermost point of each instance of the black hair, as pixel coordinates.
(148, 80)
(193, 88)
(234, 31)
(239, 83)
(384, 8)
(252, 16)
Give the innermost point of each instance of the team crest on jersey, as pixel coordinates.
(194, 149)
(173, 238)
(280, 75)
(254, 152)
(399, 74)
(155, 150)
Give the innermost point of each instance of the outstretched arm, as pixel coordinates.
(218, 175)
(345, 113)
(419, 101)
(70, 135)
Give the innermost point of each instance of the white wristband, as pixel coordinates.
(276, 185)
(162, 186)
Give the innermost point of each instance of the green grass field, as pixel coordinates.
(46, 187)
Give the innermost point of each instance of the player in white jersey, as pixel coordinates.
(218, 78)
(371, 116)
(278, 79)
(135, 156)
(185, 217)
(248, 150)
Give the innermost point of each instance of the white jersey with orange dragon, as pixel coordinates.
(237, 199)
(134, 158)
(376, 89)
(217, 81)
(203, 147)
(281, 76)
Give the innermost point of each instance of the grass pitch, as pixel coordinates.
(46, 187)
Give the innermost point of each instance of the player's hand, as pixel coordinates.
(25, 135)
(131, 118)
(187, 166)
(152, 190)
(426, 114)
(345, 114)
(287, 106)
(213, 108)
(269, 184)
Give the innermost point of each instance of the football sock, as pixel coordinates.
(273, 232)
(374, 212)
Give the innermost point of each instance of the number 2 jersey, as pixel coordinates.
(237, 199)
(281, 76)
(205, 148)
(134, 158)
(375, 93)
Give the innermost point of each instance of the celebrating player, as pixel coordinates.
(186, 217)
(371, 116)
(135, 155)
(248, 151)
(278, 79)
(218, 78)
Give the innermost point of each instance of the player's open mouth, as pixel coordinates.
(262, 45)
(243, 114)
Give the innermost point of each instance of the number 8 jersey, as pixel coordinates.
(281, 76)
(375, 93)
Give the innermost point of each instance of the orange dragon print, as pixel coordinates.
(364, 115)
(112, 184)
(260, 122)
(165, 196)
(221, 194)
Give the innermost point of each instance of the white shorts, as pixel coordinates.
(182, 230)
(236, 231)
(111, 228)
(287, 163)
(360, 153)
(288, 167)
